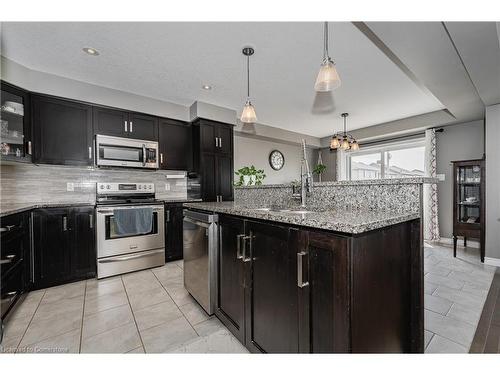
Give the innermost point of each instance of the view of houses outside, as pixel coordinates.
(401, 163)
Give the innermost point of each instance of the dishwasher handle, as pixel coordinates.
(196, 222)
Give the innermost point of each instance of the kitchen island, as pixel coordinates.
(331, 281)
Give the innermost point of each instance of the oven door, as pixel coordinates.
(123, 152)
(109, 243)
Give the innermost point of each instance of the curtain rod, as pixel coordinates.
(438, 130)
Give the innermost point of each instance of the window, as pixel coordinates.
(391, 160)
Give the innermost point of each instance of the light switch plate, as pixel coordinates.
(167, 186)
(70, 186)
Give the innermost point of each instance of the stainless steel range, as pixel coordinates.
(130, 228)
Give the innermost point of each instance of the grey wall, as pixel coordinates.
(457, 142)
(493, 183)
(329, 160)
(252, 151)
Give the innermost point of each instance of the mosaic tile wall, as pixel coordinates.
(29, 183)
(397, 197)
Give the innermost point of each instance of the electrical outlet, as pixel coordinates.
(440, 176)
(167, 186)
(70, 186)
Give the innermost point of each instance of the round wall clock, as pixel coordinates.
(276, 160)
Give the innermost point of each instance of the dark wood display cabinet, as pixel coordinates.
(64, 245)
(287, 289)
(15, 132)
(120, 123)
(469, 202)
(213, 159)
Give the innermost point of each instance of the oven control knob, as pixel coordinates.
(150, 187)
(139, 187)
(102, 186)
(108, 187)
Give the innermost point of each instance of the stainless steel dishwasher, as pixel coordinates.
(200, 242)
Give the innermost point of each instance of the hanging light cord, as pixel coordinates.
(345, 130)
(248, 77)
(325, 47)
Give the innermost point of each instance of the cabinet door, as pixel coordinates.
(225, 177)
(175, 145)
(230, 302)
(143, 127)
(208, 137)
(209, 177)
(327, 307)
(62, 132)
(225, 139)
(83, 251)
(109, 121)
(173, 233)
(52, 259)
(271, 310)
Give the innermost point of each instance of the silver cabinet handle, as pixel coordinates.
(8, 259)
(29, 147)
(143, 154)
(65, 223)
(131, 127)
(216, 142)
(239, 238)
(7, 228)
(220, 142)
(90, 152)
(167, 216)
(91, 221)
(244, 239)
(300, 282)
(161, 158)
(126, 126)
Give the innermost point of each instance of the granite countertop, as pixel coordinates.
(14, 208)
(352, 222)
(387, 181)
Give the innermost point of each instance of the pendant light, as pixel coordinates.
(248, 114)
(328, 79)
(344, 140)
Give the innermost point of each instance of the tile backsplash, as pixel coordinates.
(21, 183)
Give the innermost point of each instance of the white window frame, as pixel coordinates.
(345, 156)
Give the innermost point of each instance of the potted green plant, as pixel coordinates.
(249, 176)
(319, 169)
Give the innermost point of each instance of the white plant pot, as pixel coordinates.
(248, 180)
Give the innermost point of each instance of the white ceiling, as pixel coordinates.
(170, 61)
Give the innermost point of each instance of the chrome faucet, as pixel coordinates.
(306, 180)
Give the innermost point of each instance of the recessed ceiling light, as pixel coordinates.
(206, 87)
(91, 51)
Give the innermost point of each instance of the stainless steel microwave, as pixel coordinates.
(126, 152)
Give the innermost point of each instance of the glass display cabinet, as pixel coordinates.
(15, 142)
(468, 202)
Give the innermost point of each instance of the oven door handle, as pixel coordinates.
(110, 211)
(130, 257)
(143, 154)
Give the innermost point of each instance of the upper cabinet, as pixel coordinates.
(215, 137)
(176, 151)
(15, 123)
(62, 131)
(117, 123)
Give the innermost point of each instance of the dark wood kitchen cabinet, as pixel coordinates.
(62, 131)
(120, 123)
(15, 260)
(64, 245)
(173, 231)
(287, 289)
(176, 145)
(213, 159)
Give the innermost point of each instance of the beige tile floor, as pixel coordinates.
(455, 292)
(143, 312)
(150, 311)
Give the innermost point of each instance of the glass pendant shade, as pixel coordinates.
(345, 144)
(354, 146)
(334, 143)
(248, 115)
(328, 79)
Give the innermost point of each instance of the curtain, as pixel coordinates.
(430, 199)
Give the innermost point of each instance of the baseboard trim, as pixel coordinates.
(460, 242)
(492, 261)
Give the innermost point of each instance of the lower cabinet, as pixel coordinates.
(14, 260)
(173, 231)
(64, 245)
(287, 289)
